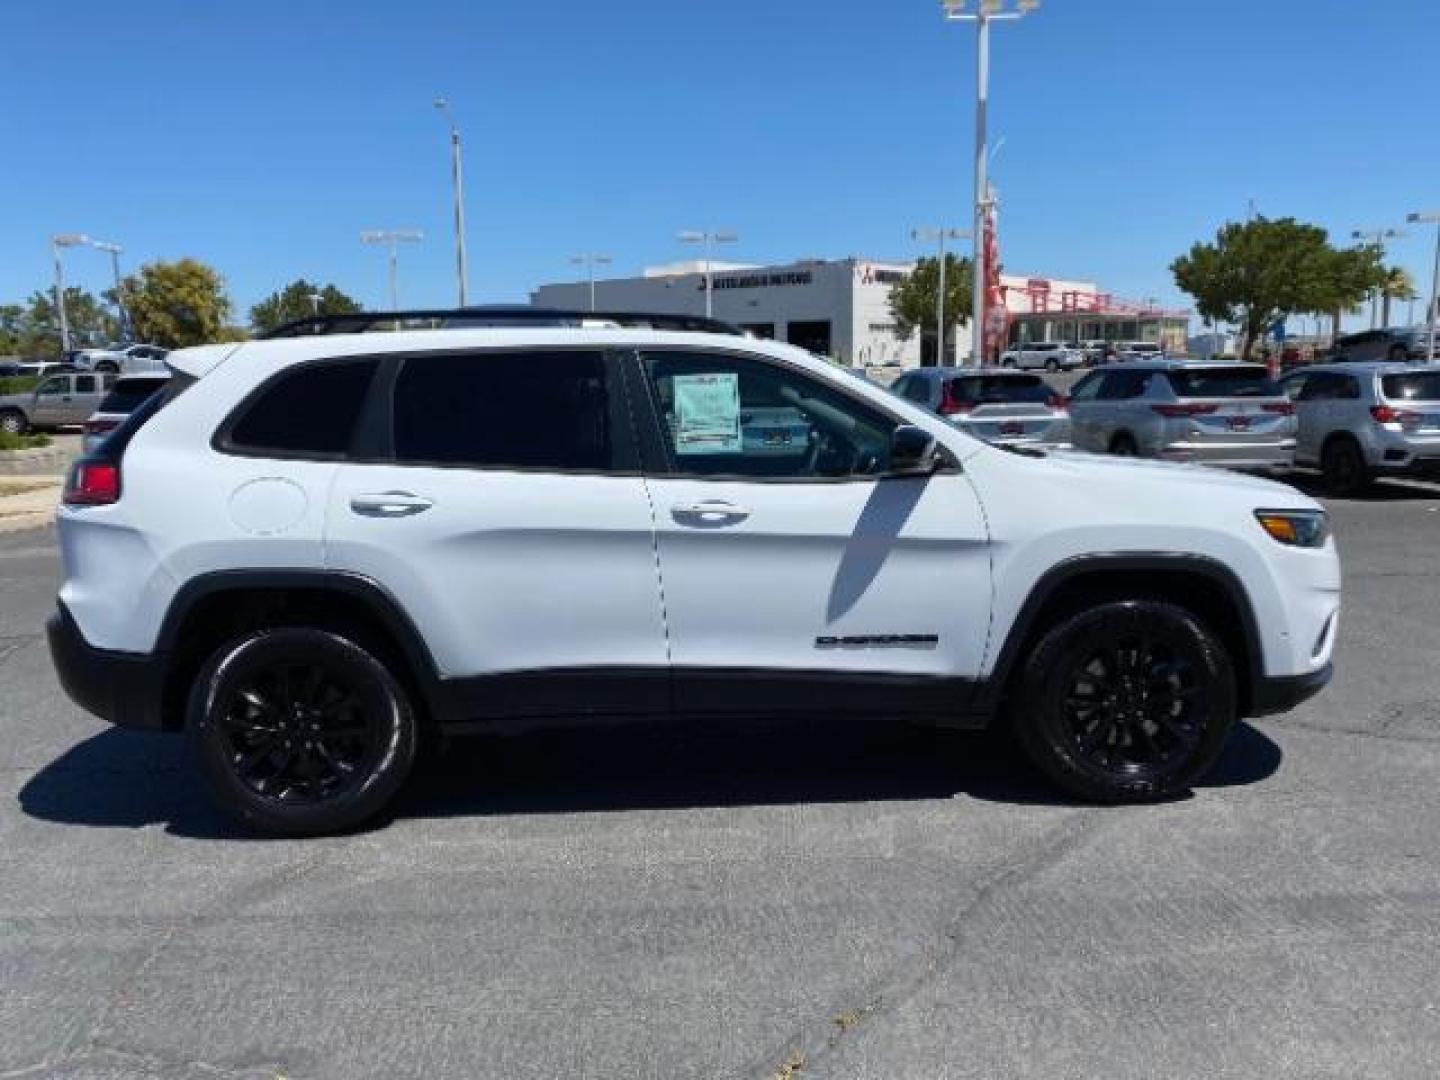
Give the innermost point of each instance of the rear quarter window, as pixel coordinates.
(1412, 386)
(308, 411)
(1245, 381)
(1000, 390)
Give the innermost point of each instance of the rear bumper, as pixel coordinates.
(124, 688)
(1281, 694)
(1275, 455)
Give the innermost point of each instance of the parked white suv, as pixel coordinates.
(309, 550)
(1047, 355)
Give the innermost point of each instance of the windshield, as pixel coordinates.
(1412, 386)
(1246, 380)
(1002, 390)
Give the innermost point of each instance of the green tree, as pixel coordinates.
(177, 304)
(912, 301)
(1396, 284)
(33, 329)
(294, 302)
(1262, 270)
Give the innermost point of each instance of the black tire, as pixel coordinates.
(300, 732)
(1342, 466)
(13, 422)
(1123, 445)
(107, 367)
(1163, 692)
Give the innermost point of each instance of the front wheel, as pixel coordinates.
(13, 422)
(1130, 701)
(107, 367)
(300, 731)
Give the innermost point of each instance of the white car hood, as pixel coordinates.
(1176, 477)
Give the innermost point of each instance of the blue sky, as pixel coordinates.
(263, 136)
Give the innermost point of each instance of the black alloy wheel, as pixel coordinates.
(1126, 702)
(301, 731)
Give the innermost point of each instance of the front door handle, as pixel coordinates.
(711, 510)
(390, 504)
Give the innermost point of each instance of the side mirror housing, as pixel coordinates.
(913, 452)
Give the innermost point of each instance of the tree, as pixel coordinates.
(294, 302)
(32, 329)
(1258, 272)
(1396, 284)
(177, 304)
(912, 301)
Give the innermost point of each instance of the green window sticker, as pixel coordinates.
(707, 414)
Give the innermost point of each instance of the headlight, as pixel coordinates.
(1297, 528)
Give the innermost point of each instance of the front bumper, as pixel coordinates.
(124, 688)
(1278, 694)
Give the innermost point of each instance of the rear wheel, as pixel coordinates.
(300, 732)
(1399, 353)
(1343, 467)
(13, 422)
(1123, 445)
(1127, 702)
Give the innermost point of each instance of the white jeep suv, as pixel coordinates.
(309, 551)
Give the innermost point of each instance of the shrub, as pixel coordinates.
(22, 442)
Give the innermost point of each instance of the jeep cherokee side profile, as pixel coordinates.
(311, 549)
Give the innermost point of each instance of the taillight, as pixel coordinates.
(1057, 401)
(100, 427)
(1284, 408)
(1184, 409)
(1384, 414)
(93, 483)
(950, 404)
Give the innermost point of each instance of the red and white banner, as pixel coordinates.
(997, 318)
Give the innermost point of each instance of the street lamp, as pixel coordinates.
(315, 299)
(114, 251)
(1377, 237)
(590, 261)
(709, 239)
(392, 238)
(64, 240)
(941, 234)
(983, 14)
(457, 181)
(1431, 217)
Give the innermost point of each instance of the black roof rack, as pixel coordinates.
(496, 316)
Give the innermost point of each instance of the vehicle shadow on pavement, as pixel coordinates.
(1390, 489)
(126, 779)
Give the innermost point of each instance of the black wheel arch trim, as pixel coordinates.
(992, 689)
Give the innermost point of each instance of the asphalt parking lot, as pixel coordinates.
(822, 900)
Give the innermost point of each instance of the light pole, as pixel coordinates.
(939, 234)
(590, 261)
(114, 251)
(985, 12)
(1376, 237)
(392, 238)
(63, 240)
(315, 299)
(709, 238)
(457, 180)
(1431, 217)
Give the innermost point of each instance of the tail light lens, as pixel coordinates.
(1384, 414)
(1284, 408)
(1057, 402)
(93, 483)
(950, 405)
(1184, 409)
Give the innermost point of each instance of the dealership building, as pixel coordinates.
(841, 307)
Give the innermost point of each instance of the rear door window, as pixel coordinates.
(129, 393)
(309, 411)
(1241, 381)
(1412, 386)
(1001, 390)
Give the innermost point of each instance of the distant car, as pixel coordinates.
(1050, 355)
(1359, 421)
(1138, 350)
(125, 359)
(125, 396)
(1395, 344)
(1094, 350)
(61, 400)
(1211, 414)
(10, 369)
(38, 368)
(1001, 407)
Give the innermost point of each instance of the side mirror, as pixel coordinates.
(913, 452)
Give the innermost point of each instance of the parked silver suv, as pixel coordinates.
(1360, 421)
(1213, 414)
(1002, 407)
(1396, 344)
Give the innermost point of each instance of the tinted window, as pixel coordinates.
(1246, 380)
(504, 410)
(54, 387)
(1412, 386)
(736, 416)
(85, 384)
(1000, 390)
(129, 393)
(310, 410)
(1123, 385)
(1087, 388)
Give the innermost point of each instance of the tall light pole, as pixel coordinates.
(392, 238)
(63, 240)
(1377, 237)
(709, 238)
(114, 251)
(1431, 217)
(985, 12)
(591, 260)
(940, 234)
(457, 181)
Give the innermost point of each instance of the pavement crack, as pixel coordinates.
(890, 992)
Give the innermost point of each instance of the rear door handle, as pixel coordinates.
(711, 509)
(390, 504)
